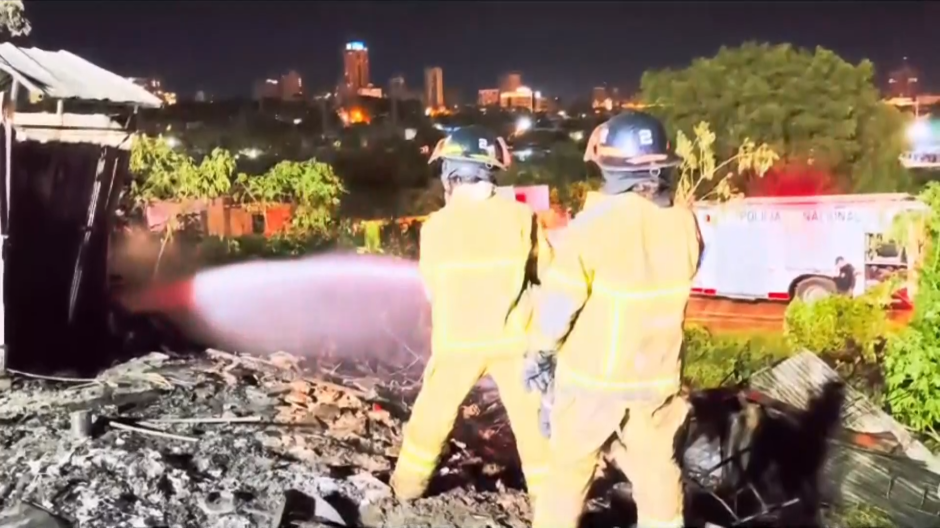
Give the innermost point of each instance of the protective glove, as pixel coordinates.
(539, 371)
(545, 412)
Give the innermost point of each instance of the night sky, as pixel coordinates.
(561, 48)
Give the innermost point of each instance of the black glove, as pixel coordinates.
(539, 371)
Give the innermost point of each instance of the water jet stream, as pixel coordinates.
(361, 307)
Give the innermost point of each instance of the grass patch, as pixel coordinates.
(730, 359)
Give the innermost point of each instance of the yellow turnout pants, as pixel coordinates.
(447, 381)
(640, 437)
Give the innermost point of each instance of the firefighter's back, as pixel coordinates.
(642, 258)
(474, 255)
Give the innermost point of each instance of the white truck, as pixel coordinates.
(779, 249)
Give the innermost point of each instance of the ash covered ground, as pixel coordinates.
(222, 440)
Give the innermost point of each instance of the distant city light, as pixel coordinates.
(577, 135)
(538, 95)
(298, 121)
(172, 142)
(356, 46)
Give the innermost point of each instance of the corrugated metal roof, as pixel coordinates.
(64, 75)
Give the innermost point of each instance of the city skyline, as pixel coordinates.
(564, 49)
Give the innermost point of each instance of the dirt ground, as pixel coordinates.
(731, 316)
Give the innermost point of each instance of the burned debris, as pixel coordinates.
(227, 440)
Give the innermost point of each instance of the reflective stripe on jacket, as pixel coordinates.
(478, 258)
(620, 281)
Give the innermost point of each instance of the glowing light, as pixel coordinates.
(172, 142)
(577, 135)
(562, 113)
(538, 95)
(918, 131)
(522, 155)
(356, 115)
(356, 46)
(427, 111)
(523, 124)
(298, 121)
(524, 90)
(251, 153)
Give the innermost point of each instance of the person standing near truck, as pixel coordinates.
(845, 277)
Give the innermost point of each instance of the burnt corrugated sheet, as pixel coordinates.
(64, 75)
(903, 486)
(795, 380)
(905, 489)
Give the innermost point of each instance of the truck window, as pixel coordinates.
(883, 251)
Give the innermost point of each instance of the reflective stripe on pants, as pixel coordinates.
(447, 381)
(642, 446)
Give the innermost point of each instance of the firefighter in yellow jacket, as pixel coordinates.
(612, 305)
(479, 257)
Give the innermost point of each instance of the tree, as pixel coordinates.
(311, 187)
(810, 107)
(701, 177)
(163, 174)
(13, 18)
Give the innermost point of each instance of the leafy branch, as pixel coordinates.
(310, 186)
(163, 174)
(699, 165)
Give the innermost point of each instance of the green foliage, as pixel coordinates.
(162, 173)
(858, 516)
(807, 106)
(841, 326)
(13, 18)
(372, 232)
(699, 166)
(912, 358)
(712, 361)
(310, 187)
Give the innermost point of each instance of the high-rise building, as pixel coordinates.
(356, 66)
(903, 82)
(287, 87)
(267, 89)
(397, 88)
(488, 97)
(292, 86)
(434, 87)
(510, 82)
(154, 86)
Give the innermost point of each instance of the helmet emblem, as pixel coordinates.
(483, 143)
(646, 137)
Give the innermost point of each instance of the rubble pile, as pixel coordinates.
(224, 440)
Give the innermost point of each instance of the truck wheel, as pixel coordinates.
(814, 289)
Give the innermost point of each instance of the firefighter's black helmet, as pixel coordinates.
(473, 144)
(630, 142)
